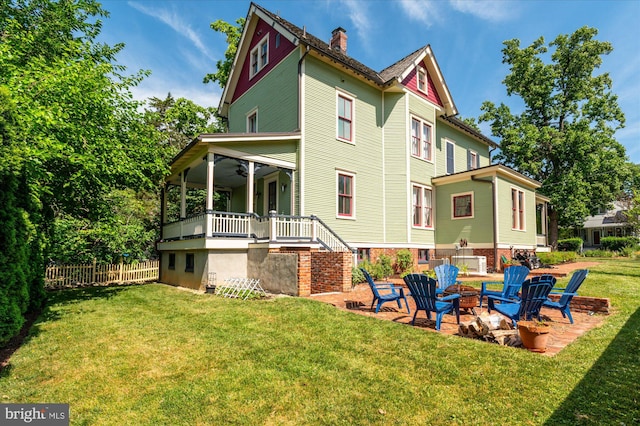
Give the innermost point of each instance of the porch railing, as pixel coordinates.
(275, 228)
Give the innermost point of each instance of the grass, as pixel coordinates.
(157, 355)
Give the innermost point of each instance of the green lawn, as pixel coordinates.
(154, 354)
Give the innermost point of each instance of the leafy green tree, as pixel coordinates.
(233, 34)
(180, 120)
(564, 138)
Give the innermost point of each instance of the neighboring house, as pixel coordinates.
(607, 223)
(347, 160)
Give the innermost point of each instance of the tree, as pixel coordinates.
(180, 120)
(564, 138)
(76, 138)
(233, 34)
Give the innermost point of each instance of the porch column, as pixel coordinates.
(208, 223)
(250, 185)
(183, 194)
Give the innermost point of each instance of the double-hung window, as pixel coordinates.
(252, 121)
(259, 56)
(421, 139)
(422, 80)
(345, 118)
(472, 160)
(517, 209)
(462, 205)
(450, 157)
(422, 206)
(345, 194)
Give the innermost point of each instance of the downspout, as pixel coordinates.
(302, 133)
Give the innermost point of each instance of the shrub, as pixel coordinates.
(357, 276)
(384, 263)
(598, 253)
(570, 244)
(404, 260)
(557, 257)
(618, 243)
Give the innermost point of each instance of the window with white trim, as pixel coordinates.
(345, 195)
(345, 117)
(252, 121)
(422, 80)
(422, 206)
(259, 56)
(450, 147)
(421, 139)
(462, 205)
(517, 209)
(472, 160)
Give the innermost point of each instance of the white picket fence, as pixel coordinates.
(61, 276)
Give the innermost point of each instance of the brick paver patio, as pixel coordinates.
(563, 332)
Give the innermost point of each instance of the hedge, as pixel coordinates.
(618, 243)
(570, 244)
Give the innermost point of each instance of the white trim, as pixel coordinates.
(341, 93)
(475, 166)
(453, 207)
(352, 175)
(258, 49)
(384, 173)
(302, 156)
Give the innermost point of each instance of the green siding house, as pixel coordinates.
(327, 161)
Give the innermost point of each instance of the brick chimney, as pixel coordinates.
(339, 40)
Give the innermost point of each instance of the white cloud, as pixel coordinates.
(489, 10)
(423, 11)
(174, 21)
(358, 13)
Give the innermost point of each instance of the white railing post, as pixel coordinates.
(314, 228)
(273, 229)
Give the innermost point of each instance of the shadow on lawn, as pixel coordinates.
(31, 329)
(610, 391)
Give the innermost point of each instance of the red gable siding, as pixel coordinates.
(275, 56)
(411, 83)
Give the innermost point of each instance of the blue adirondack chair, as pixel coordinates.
(534, 294)
(394, 293)
(567, 293)
(514, 276)
(447, 275)
(423, 291)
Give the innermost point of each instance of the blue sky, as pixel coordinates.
(173, 39)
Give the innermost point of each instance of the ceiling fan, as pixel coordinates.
(240, 171)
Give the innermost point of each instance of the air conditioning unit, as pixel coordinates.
(476, 264)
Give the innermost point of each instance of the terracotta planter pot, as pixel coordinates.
(534, 335)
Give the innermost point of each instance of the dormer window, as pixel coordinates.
(259, 56)
(422, 80)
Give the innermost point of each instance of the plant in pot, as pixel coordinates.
(534, 334)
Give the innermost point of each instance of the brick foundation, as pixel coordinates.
(330, 271)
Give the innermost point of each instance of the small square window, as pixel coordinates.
(463, 206)
(189, 262)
